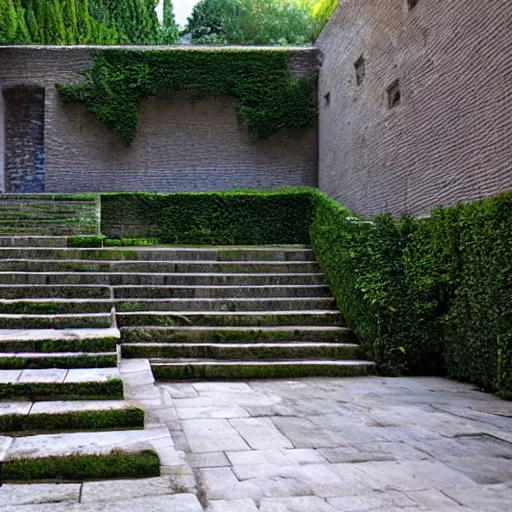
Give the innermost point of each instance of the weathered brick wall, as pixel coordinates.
(450, 138)
(180, 145)
(24, 136)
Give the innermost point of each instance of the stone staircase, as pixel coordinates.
(195, 313)
(48, 215)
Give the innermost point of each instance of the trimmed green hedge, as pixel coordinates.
(132, 417)
(249, 217)
(425, 296)
(77, 468)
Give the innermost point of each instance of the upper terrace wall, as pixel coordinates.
(181, 145)
(450, 137)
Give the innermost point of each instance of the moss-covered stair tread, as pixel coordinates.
(215, 369)
(60, 321)
(61, 384)
(41, 360)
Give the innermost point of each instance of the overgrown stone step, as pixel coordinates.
(151, 253)
(65, 321)
(20, 291)
(238, 318)
(16, 417)
(111, 278)
(126, 292)
(236, 334)
(62, 306)
(93, 455)
(204, 369)
(242, 351)
(59, 340)
(75, 229)
(33, 241)
(41, 360)
(149, 266)
(61, 384)
(159, 292)
(46, 217)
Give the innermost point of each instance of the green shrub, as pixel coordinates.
(425, 296)
(117, 464)
(220, 218)
(84, 241)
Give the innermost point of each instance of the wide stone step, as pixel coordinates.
(62, 306)
(236, 334)
(61, 384)
(196, 369)
(239, 318)
(149, 266)
(58, 340)
(150, 253)
(63, 457)
(21, 291)
(75, 229)
(242, 351)
(126, 292)
(61, 416)
(33, 241)
(66, 321)
(42, 360)
(146, 278)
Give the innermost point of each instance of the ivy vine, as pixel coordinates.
(259, 82)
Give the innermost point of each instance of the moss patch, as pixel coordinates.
(85, 361)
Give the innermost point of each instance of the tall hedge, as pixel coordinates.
(429, 296)
(237, 217)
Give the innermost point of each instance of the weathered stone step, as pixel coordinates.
(73, 446)
(33, 241)
(58, 340)
(42, 360)
(151, 253)
(61, 306)
(62, 416)
(197, 369)
(236, 334)
(126, 292)
(20, 291)
(61, 384)
(76, 229)
(238, 318)
(147, 278)
(242, 351)
(65, 321)
(150, 266)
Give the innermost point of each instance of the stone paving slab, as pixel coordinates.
(213, 436)
(92, 374)
(56, 334)
(50, 376)
(18, 495)
(61, 407)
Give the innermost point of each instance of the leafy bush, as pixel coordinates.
(425, 296)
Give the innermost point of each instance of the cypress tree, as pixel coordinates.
(169, 33)
(8, 23)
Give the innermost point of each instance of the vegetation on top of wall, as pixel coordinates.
(429, 296)
(322, 11)
(247, 217)
(70, 22)
(259, 82)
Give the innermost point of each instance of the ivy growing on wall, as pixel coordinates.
(263, 92)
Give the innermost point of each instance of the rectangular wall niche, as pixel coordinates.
(393, 94)
(24, 139)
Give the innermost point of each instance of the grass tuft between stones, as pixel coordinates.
(117, 464)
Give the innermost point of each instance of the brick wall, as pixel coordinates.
(450, 138)
(180, 145)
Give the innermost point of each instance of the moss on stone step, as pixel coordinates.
(75, 468)
(55, 322)
(27, 307)
(131, 417)
(36, 392)
(107, 344)
(83, 361)
(245, 371)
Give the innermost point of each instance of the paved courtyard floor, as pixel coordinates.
(319, 445)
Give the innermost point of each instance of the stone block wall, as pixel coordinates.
(415, 103)
(181, 145)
